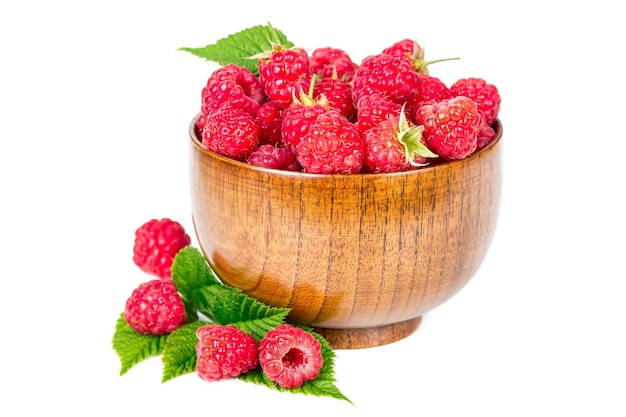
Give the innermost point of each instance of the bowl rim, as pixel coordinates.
(497, 126)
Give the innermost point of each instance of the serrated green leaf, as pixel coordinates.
(179, 353)
(239, 47)
(133, 347)
(191, 271)
(228, 305)
(322, 386)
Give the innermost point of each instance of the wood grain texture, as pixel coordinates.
(360, 256)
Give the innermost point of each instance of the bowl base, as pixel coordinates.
(369, 336)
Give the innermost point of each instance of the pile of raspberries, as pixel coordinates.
(323, 113)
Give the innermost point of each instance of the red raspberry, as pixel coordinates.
(298, 117)
(224, 352)
(339, 95)
(156, 244)
(450, 126)
(373, 109)
(412, 51)
(387, 75)
(232, 86)
(231, 132)
(290, 356)
(284, 73)
(155, 307)
(270, 118)
(431, 90)
(394, 145)
(486, 134)
(275, 157)
(485, 95)
(332, 145)
(333, 62)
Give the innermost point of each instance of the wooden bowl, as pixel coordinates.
(359, 257)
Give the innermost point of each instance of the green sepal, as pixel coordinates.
(410, 137)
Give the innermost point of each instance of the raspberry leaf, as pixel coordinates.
(133, 347)
(179, 353)
(190, 271)
(229, 305)
(239, 47)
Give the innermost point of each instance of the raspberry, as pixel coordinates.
(412, 51)
(486, 134)
(298, 118)
(270, 118)
(224, 352)
(156, 244)
(275, 157)
(390, 76)
(231, 132)
(394, 145)
(432, 89)
(232, 86)
(339, 95)
(284, 73)
(373, 109)
(290, 356)
(155, 307)
(331, 62)
(332, 145)
(485, 95)
(450, 126)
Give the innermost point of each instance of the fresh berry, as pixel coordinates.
(332, 145)
(395, 145)
(299, 116)
(156, 244)
(155, 307)
(270, 118)
(486, 135)
(284, 73)
(450, 126)
(373, 109)
(390, 76)
(275, 157)
(485, 95)
(331, 62)
(231, 132)
(232, 86)
(412, 51)
(432, 89)
(338, 93)
(224, 352)
(290, 356)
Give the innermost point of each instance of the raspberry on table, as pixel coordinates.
(290, 356)
(155, 307)
(224, 352)
(156, 244)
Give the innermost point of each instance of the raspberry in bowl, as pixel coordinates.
(359, 257)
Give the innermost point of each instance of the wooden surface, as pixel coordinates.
(360, 257)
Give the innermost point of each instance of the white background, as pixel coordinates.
(95, 104)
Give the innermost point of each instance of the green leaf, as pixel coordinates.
(133, 347)
(179, 354)
(229, 305)
(191, 271)
(240, 48)
(322, 386)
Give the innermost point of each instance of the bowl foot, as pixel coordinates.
(369, 336)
